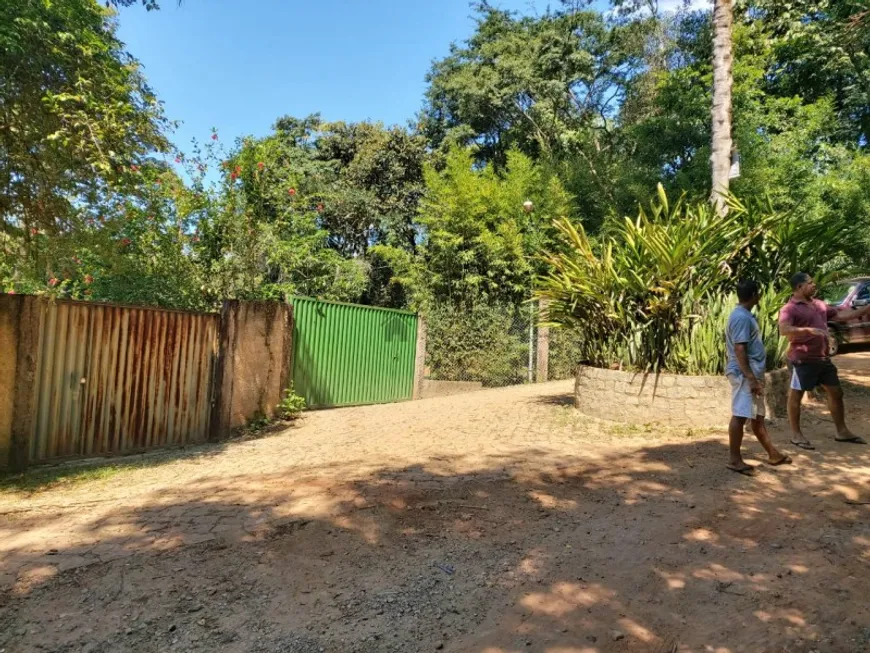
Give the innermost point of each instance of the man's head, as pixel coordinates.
(803, 286)
(748, 292)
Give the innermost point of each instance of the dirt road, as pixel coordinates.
(494, 522)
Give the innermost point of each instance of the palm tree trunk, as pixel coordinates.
(723, 17)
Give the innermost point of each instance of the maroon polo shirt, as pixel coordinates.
(813, 314)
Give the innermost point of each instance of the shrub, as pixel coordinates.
(485, 343)
(653, 293)
(291, 405)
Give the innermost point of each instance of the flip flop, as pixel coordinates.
(749, 470)
(855, 439)
(809, 446)
(785, 460)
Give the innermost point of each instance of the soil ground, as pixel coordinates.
(494, 522)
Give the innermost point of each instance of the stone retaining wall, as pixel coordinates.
(430, 388)
(672, 399)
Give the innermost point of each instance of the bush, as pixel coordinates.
(653, 293)
(484, 343)
(699, 348)
(291, 405)
(566, 353)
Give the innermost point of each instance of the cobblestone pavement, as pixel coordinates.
(493, 522)
(139, 510)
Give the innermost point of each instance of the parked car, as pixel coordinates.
(852, 293)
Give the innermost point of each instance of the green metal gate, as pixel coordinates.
(346, 355)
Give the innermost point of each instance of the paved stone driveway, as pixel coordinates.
(139, 510)
(494, 522)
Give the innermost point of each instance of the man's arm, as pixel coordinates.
(743, 361)
(849, 314)
(791, 331)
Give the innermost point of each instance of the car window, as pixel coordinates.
(864, 293)
(836, 293)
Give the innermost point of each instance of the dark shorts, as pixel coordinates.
(807, 376)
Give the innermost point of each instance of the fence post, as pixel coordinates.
(222, 399)
(543, 371)
(420, 358)
(21, 316)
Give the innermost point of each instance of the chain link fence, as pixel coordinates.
(497, 345)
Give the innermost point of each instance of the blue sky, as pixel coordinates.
(238, 65)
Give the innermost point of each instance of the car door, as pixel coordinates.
(859, 329)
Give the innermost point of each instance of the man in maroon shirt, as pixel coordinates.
(804, 321)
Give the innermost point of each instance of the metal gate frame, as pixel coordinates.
(350, 355)
(113, 379)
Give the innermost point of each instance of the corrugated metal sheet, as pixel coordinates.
(113, 379)
(345, 355)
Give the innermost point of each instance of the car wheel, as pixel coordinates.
(834, 343)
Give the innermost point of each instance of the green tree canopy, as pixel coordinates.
(78, 120)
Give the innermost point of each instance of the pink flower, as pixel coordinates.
(196, 239)
(89, 279)
(126, 242)
(134, 168)
(34, 231)
(261, 165)
(178, 159)
(292, 192)
(214, 136)
(52, 282)
(10, 292)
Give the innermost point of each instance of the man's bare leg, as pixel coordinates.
(838, 413)
(774, 457)
(795, 397)
(735, 440)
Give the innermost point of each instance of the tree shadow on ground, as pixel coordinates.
(65, 472)
(659, 549)
(562, 400)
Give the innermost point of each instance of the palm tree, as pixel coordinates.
(723, 17)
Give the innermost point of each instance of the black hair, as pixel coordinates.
(799, 279)
(747, 289)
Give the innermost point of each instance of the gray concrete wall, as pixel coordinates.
(675, 400)
(9, 315)
(430, 388)
(19, 339)
(254, 367)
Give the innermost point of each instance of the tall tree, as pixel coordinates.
(77, 119)
(550, 86)
(723, 81)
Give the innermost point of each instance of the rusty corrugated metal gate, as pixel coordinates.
(115, 379)
(346, 354)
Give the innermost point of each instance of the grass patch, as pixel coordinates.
(50, 478)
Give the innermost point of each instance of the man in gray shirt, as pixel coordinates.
(745, 370)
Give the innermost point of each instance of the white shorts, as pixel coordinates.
(743, 402)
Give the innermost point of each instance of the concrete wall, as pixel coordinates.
(430, 388)
(675, 400)
(254, 366)
(9, 316)
(420, 358)
(19, 339)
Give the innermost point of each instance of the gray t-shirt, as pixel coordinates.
(743, 327)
